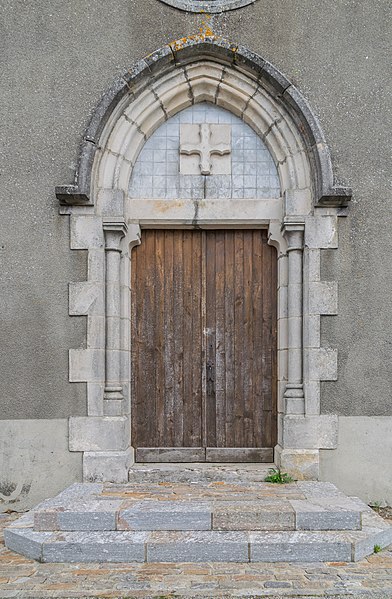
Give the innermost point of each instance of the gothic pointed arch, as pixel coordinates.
(106, 222)
(210, 69)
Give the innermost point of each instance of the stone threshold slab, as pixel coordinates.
(210, 546)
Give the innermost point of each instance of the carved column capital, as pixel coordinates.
(293, 232)
(114, 230)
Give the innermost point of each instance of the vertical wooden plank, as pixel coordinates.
(247, 343)
(178, 338)
(220, 324)
(159, 336)
(169, 340)
(229, 337)
(205, 340)
(257, 319)
(238, 340)
(194, 340)
(189, 335)
(144, 392)
(210, 339)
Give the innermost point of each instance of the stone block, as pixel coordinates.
(312, 264)
(175, 515)
(310, 432)
(311, 332)
(298, 547)
(45, 520)
(312, 516)
(96, 265)
(312, 398)
(86, 298)
(79, 516)
(321, 232)
(277, 515)
(95, 332)
(95, 399)
(298, 202)
(86, 232)
(322, 364)
(101, 547)
(111, 202)
(177, 98)
(26, 542)
(111, 466)
(300, 464)
(99, 433)
(86, 365)
(323, 297)
(198, 547)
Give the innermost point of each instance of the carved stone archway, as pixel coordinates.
(107, 224)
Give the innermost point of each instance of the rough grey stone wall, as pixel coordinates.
(59, 57)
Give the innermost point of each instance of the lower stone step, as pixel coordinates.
(200, 546)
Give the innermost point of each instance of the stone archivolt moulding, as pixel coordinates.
(208, 6)
(107, 223)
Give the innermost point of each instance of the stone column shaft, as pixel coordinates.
(294, 394)
(113, 396)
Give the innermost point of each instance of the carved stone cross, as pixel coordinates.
(202, 142)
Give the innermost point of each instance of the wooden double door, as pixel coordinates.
(204, 346)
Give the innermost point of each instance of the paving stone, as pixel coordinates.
(198, 547)
(153, 515)
(95, 547)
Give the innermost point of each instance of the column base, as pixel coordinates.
(301, 464)
(107, 466)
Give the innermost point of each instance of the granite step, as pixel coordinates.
(181, 515)
(188, 521)
(189, 507)
(198, 546)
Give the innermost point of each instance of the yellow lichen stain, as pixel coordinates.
(204, 31)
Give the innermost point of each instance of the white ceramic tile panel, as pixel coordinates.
(156, 172)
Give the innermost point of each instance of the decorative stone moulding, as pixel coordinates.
(107, 223)
(174, 58)
(211, 6)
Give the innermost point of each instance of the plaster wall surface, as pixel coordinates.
(58, 58)
(360, 466)
(35, 462)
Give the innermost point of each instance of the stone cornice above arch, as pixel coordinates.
(245, 82)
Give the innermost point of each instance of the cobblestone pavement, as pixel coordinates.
(23, 578)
